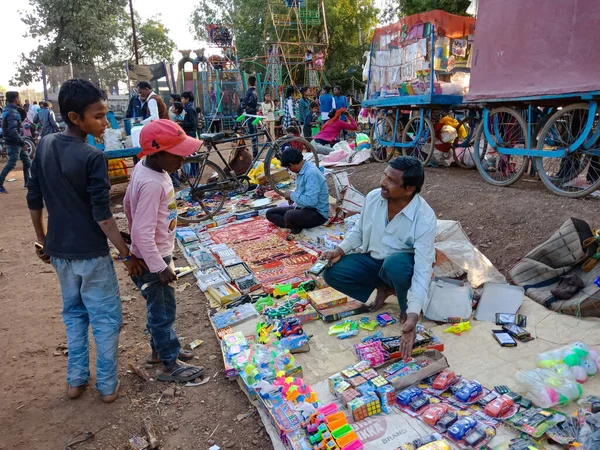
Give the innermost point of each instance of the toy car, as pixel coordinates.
(408, 395)
(499, 406)
(434, 413)
(444, 380)
(447, 420)
(419, 403)
(469, 392)
(462, 426)
(474, 437)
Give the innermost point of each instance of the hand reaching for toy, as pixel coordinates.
(407, 340)
(332, 256)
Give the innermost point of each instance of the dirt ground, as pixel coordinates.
(504, 222)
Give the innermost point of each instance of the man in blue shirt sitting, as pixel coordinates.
(311, 196)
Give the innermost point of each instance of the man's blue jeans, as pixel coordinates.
(358, 274)
(162, 309)
(90, 293)
(14, 152)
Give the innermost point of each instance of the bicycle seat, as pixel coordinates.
(212, 137)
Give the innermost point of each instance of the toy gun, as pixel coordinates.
(458, 328)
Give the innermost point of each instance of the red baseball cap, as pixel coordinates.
(166, 136)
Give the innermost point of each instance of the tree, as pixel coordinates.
(154, 43)
(77, 32)
(393, 10)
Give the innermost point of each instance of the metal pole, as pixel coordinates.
(135, 41)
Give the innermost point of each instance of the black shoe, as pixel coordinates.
(2, 190)
(295, 230)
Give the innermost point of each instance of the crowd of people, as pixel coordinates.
(391, 250)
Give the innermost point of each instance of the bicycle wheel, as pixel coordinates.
(384, 130)
(204, 188)
(509, 130)
(275, 151)
(460, 145)
(29, 147)
(422, 148)
(577, 174)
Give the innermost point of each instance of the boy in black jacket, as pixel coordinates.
(190, 121)
(11, 129)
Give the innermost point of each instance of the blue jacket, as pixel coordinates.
(311, 190)
(326, 101)
(45, 117)
(11, 125)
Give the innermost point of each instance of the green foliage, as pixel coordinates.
(350, 24)
(88, 33)
(393, 10)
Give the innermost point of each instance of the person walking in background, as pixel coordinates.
(289, 108)
(340, 101)
(250, 106)
(13, 138)
(46, 120)
(268, 110)
(70, 177)
(303, 108)
(326, 103)
(155, 107)
(35, 108)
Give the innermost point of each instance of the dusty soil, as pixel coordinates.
(504, 222)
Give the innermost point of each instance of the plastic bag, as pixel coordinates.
(112, 139)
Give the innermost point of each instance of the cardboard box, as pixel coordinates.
(438, 362)
(338, 312)
(327, 298)
(278, 176)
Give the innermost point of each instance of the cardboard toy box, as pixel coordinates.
(277, 175)
(438, 362)
(338, 312)
(326, 298)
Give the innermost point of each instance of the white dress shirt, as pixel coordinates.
(411, 230)
(152, 109)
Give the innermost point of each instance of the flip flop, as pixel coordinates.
(178, 374)
(184, 355)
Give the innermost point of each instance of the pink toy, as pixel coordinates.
(328, 409)
(579, 373)
(354, 445)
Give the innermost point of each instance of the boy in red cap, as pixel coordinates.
(152, 214)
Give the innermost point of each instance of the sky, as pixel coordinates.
(174, 19)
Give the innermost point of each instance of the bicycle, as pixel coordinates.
(210, 184)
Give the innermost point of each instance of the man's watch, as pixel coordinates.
(126, 258)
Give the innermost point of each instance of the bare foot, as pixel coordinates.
(383, 292)
(76, 391)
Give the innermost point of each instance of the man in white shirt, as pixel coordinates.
(395, 237)
(156, 107)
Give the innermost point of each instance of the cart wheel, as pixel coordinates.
(578, 173)
(469, 124)
(421, 148)
(509, 130)
(383, 129)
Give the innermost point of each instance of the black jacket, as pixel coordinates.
(250, 101)
(190, 121)
(11, 125)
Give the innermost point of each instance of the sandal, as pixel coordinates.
(182, 374)
(184, 355)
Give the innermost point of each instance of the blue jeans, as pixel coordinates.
(162, 309)
(358, 274)
(90, 293)
(14, 152)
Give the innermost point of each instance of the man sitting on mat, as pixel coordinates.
(311, 196)
(396, 232)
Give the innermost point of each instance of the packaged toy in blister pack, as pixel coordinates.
(440, 383)
(518, 443)
(432, 441)
(536, 421)
(469, 432)
(413, 400)
(439, 416)
(501, 407)
(466, 393)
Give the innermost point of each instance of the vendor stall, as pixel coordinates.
(416, 65)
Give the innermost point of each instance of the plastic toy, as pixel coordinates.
(461, 427)
(385, 319)
(387, 397)
(343, 327)
(469, 392)
(444, 380)
(263, 302)
(367, 324)
(419, 403)
(546, 388)
(436, 445)
(408, 395)
(280, 290)
(447, 420)
(499, 406)
(458, 328)
(348, 334)
(434, 413)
